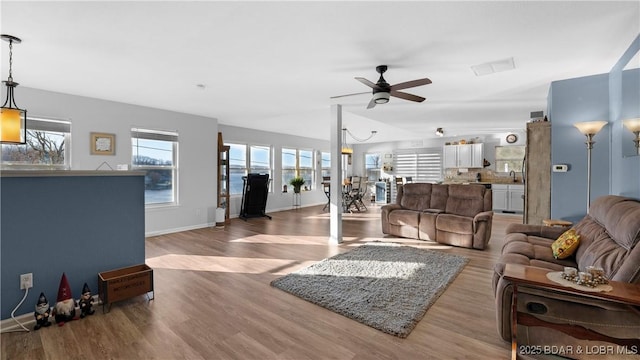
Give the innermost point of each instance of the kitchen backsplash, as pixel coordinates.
(486, 175)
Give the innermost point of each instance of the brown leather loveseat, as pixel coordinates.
(609, 237)
(458, 215)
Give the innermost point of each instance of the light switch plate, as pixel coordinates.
(560, 168)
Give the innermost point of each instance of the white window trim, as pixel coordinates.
(247, 149)
(54, 125)
(165, 135)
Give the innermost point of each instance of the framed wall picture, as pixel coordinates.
(103, 144)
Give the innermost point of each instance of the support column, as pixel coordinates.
(335, 209)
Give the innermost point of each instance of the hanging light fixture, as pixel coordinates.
(13, 120)
(440, 132)
(346, 150)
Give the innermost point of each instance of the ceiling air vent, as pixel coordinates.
(494, 67)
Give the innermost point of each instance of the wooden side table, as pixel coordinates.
(556, 222)
(624, 293)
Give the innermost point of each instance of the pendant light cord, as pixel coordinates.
(373, 132)
(10, 60)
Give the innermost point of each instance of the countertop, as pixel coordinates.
(493, 182)
(52, 173)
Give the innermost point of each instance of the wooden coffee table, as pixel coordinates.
(624, 293)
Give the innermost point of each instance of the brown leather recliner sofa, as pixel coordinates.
(458, 215)
(609, 237)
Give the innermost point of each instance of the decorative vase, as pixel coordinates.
(296, 189)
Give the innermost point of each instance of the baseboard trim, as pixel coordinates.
(212, 224)
(9, 325)
(179, 229)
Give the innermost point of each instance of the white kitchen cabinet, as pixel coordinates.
(508, 197)
(463, 156)
(477, 155)
(516, 198)
(450, 156)
(500, 199)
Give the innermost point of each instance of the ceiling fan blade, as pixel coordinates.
(406, 96)
(368, 83)
(410, 84)
(372, 103)
(354, 94)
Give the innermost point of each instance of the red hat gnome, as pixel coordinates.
(65, 309)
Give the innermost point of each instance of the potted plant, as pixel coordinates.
(297, 183)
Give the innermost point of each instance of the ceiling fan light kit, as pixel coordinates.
(382, 91)
(381, 97)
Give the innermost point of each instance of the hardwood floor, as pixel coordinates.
(213, 301)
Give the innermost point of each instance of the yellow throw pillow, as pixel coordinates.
(566, 244)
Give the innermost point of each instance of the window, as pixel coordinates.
(244, 159)
(372, 165)
(422, 165)
(260, 157)
(237, 167)
(509, 158)
(326, 164)
(47, 146)
(156, 152)
(296, 162)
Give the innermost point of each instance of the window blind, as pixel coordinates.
(422, 165)
(48, 125)
(154, 134)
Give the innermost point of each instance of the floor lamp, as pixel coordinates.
(633, 125)
(589, 129)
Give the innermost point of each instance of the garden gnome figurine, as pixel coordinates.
(42, 312)
(65, 309)
(86, 302)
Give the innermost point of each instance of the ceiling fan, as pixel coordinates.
(382, 90)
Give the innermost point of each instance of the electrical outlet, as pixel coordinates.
(26, 281)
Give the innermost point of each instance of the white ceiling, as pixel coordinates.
(274, 65)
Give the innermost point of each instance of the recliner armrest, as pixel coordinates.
(549, 232)
(390, 207)
(384, 215)
(483, 216)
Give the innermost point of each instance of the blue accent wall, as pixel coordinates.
(80, 225)
(624, 90)
(612, 97)
(571, 101)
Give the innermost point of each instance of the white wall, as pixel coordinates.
(197, 162)
(277, 200)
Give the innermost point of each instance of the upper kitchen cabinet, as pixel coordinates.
(463, 156)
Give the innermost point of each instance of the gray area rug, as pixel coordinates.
(386, 286)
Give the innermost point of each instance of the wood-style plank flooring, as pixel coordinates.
(213, 301)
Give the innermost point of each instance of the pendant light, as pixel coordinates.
(346, 150)
(13, 120)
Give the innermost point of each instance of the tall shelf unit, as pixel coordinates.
(223, 177)
(537, 164)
